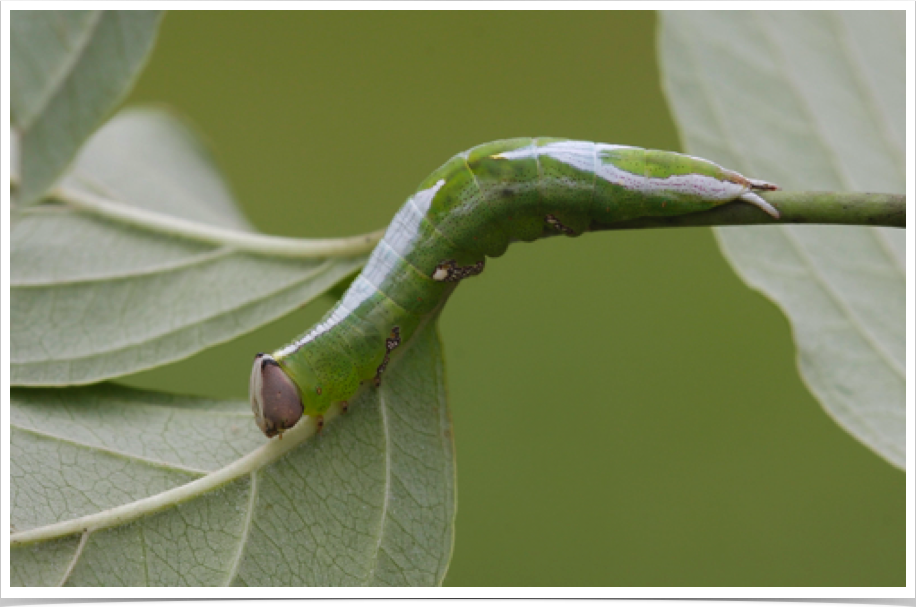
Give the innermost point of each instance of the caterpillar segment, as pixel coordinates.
(471, 208)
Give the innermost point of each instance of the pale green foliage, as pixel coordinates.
(68, 70)
(116, 487)
(370, 501)
(112, 486)
(810, 101)
(93, 298)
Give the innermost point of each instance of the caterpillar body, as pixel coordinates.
(472, 208)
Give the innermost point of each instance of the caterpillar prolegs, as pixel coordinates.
(471, 208)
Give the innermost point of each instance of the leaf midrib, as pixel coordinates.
(126, 513)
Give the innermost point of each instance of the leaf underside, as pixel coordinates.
(369, 501)
(810, 101)
(68, 69)
(114, 487)
(93, 298)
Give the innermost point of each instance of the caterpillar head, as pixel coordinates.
(274, 396)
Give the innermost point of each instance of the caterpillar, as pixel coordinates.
(472, 208)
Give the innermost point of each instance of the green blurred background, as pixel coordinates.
(626, 411)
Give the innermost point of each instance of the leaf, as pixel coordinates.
(118, 487)
(98, 295)
(69, 69)
(810, 100)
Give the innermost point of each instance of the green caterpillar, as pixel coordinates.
(471, 208)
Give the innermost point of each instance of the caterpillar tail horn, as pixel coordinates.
(756, 200)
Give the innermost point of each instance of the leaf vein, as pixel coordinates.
(858, 72)
(112, 452)
(125, 513)
(383, 518)
(246, 528)
(885, 247)
(323, 268)
(813, 118)
(854, 320)
(76, 556)
(191, 261)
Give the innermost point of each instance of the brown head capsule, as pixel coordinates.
(274, 397)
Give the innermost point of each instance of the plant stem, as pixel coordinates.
(838, 208)
(844, 208)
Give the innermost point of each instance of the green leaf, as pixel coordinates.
(810, 100)
(142, 280)
(68, 69)
(118, 487)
